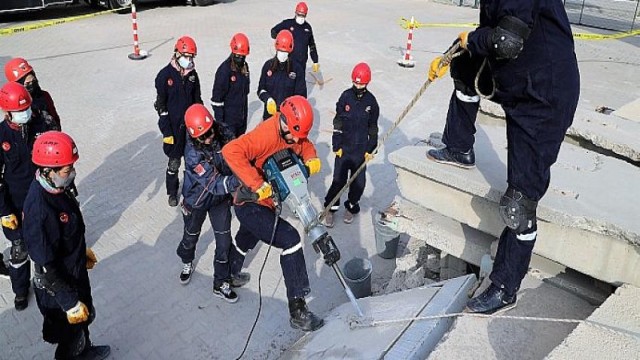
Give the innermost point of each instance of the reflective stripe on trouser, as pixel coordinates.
(460, 127)
(220, 218)
(256, 223)
(512, 259)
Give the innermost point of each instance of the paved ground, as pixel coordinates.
(105, 101)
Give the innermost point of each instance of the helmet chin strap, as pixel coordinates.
(284, 133)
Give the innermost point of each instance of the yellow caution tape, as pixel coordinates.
(44, 24)
(406, 24)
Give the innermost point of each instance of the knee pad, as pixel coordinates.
(18, 253)
(517, 211)
(173, 166)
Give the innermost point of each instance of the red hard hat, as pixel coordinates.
(302, 8)
(240, 44)
(299, 115)
(284, 41)
(14, 97)
(361, 74)
(17, 68)
(198, 120)
(186, 45)
(54, 149)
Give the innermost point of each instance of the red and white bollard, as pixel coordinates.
(407, 60)
(137, 53)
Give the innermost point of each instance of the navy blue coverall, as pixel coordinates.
(356, 133)
(54, 232)
(208, 183)
(539, 93)
(17, 174)
(175, 93)
(279, 81)
(229, 97)
(303, 42)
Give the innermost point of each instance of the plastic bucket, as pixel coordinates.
(386, 238)
(357, 274)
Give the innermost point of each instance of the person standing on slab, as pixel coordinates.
(526, 50)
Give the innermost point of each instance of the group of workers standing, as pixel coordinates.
(535, 80)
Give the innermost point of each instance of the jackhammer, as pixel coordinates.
(288, 177)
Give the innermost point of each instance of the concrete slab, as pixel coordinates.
(581, 226)
(402, 340)
(487, 339)
(630, 111)
(613, 132)
(621, 312)
(441, 232)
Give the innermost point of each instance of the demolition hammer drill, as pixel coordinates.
(288, 177)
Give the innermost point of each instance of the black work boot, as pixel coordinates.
(491, 301)
(465, 160)
(94, 352)
(21, 302)
(301, 317)
(173, 200)
(240, 279)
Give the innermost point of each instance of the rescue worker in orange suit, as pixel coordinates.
(208, 183)
(19, 70)
(354, 140)
(287, 129)
(229, 97)
(178, 87)
(54, 232)
(529, 49)
(281, 77)
(18, 131)
(302, 37)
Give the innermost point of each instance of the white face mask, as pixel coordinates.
(282, 56)
(300, 20)
(21, 117)
(61, 182)
(185, 62)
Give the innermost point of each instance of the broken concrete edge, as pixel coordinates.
(614, 324)
(458, 181)
(420, 338)
(609, 132)
(473, 246)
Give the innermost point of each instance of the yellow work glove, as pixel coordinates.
(315, 67)
(78, 313)
(339, 153)
(168, 140)
(271, 106)
(464, 39)
(437, 69)
(265, 191)
(368, 157)
(10, 221)
(91, 259)
(313, 165)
